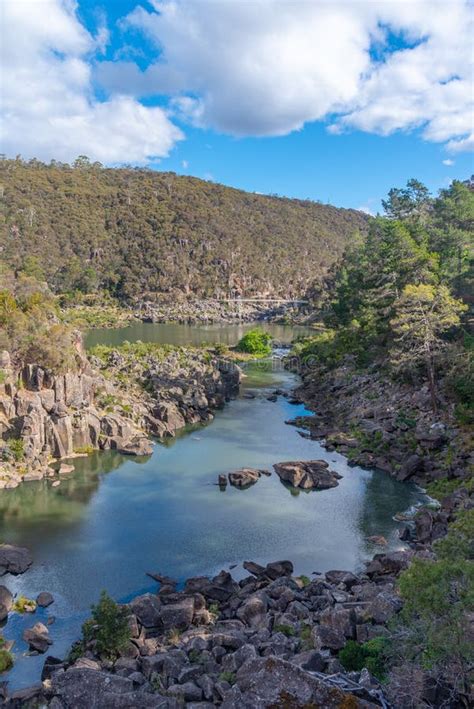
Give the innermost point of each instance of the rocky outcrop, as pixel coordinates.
(245, 477)
(379, 422)
(308, 475)
(265, 641)
(115, 404)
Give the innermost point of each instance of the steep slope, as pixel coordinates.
(138, 232)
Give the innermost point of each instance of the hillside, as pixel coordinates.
(137, 232)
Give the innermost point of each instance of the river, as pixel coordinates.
(117, 517)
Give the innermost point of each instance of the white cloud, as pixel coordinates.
(48, 106)
(267, 67)
(184, 164)
(448, 162)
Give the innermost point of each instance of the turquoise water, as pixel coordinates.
(119, 517)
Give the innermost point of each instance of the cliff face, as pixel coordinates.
(45, 416)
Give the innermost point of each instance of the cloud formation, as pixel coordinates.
(259, 68)
(267, 67)
(48, 106)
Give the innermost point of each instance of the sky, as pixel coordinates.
(336, 101)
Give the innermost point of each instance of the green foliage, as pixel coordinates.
(305, 580)
(438, 597)
(108, 628)
(16, 447)
(29, 327)
(441, 488)
(137, 233)
(287, 630)
(459, 542)
(6, 660)
(371, 654)
(227, 676)
(256, 342)
(22, 604)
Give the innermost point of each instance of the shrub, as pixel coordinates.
(108, 627)
(16, 447)
(287, 630)
(256, 342)
(371, 654)
(6, 660)
(23, 604)
(227, 676)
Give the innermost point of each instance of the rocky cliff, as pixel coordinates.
(46, 417)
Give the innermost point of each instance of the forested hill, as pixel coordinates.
(137, 232)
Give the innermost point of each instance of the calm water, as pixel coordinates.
(171, 333)
(119, 517)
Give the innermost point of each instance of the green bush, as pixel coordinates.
(17, 448)
(6, 660)
(256, 342)
(371, 654)
(108, 627)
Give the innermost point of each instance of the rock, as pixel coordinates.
(253, 568)
(424, 526)
(409, 467)
(6, 602)
(33, 476)
(344, 577)
(147, 609)
(189, 692)
(245, 477)
(276, 569)
(253, 611)
(83, 688)
(138, 445)
(222, 480)
(378, 539)
(37, 637)
(44, 599)
(51, 665)
(342, 439)
(311, 474)
(272, 682)
(177, 615)
(14, 560)
(324, 636)
(65, 469)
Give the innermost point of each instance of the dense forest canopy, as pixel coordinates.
(138, 232)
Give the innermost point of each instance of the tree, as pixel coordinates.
(423, 314)
(108, 628)
(413, 201)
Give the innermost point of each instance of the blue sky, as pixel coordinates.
(331, 101)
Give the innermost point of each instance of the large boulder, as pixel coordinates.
(309, 474)
(147, 609)
(83, 688)
(14, 560)
(271, 682)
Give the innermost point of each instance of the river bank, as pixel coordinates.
(184, 312)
